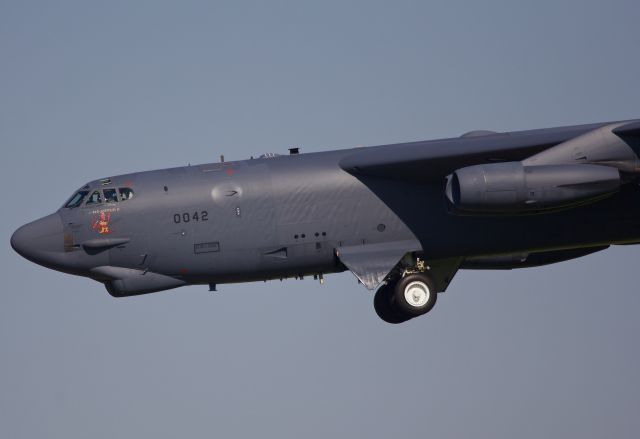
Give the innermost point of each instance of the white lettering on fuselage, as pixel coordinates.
(108, 209)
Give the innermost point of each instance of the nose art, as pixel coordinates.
(39, 237)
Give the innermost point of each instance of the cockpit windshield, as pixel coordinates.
(95, 198)
(76, 199)
(110, 196)
(99, 196)
(126, 193)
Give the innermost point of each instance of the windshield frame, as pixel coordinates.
(82, 194)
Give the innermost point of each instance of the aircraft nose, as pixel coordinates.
(36, 240)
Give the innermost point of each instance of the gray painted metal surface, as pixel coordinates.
(371, 263)
(381, 212)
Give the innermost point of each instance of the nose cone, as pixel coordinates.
(41, 241)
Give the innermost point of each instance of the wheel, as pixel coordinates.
(384, 308)
(414, 295)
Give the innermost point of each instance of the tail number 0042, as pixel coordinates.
(185, 217)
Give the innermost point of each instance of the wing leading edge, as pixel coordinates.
(431, 161)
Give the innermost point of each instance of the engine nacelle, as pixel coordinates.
(512, 188)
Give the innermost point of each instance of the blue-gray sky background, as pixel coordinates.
(94, 89)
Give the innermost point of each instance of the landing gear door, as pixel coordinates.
(371, 263)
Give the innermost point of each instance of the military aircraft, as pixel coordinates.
(403, 218)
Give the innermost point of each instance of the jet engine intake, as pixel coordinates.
(513, 188)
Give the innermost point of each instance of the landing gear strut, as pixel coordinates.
(410, 296)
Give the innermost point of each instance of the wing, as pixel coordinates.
(431, 161)
(402, 174)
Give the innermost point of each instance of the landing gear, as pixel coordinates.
(415, 294)
(382, 303)
(408, 297)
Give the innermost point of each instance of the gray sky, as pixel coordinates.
(93, 90)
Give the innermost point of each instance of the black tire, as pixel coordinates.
(423, 299)
(385, 310)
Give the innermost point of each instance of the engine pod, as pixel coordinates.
(512, 188)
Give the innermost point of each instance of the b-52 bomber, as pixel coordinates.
(403, 218)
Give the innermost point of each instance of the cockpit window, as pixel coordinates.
(125, 193)
(110, 196)
(76, 199)
(95, 198)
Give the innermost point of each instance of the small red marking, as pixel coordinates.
(101, 224)
(229, 171)
(184, 270)
(127, 183)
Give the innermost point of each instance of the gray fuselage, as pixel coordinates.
(284, 216)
